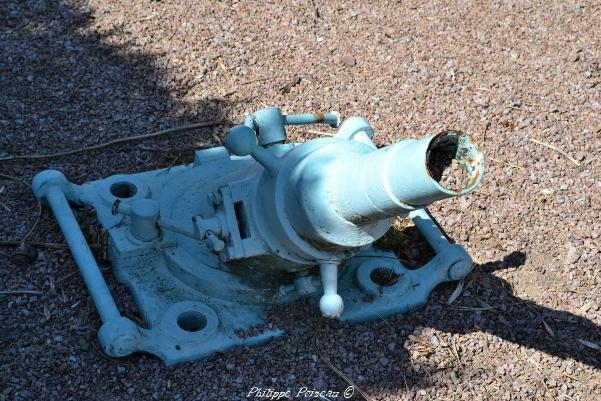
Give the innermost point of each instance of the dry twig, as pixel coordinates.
(17, 292)
(109, 143)
(505, 163)
(50, 245)
(315, 9)
(561, 152)
(226, 94)
(346, 379)
(484, 134)
(10, 177)
(290, 84)
(37, 220)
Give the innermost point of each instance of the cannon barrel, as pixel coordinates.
(322, 198)
(404, 176)
(344, 193)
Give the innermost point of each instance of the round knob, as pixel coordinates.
(331, 305)
(241, 140)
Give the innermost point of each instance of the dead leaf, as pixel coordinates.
(455, 293)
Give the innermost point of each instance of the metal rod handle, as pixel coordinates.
(101, 295)
(429, 230)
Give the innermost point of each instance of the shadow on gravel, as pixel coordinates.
(489, 304)
(493, 308)
(63, 87)
(68, 83)
(401, 354)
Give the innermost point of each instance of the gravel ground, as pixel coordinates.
(527, 325)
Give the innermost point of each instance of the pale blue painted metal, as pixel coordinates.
(205, 247)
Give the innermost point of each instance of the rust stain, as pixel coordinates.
(475, 174)
(465, 156)
(319, 117)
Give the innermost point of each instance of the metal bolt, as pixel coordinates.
(215, 198)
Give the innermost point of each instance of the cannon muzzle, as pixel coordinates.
(406, 175)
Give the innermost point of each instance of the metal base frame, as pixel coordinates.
(194, 310)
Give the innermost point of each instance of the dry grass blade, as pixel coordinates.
(246, 83)
(173, 162)
(561, 152)
(548, 328)
(346, 379)
(37, 220)
(589, 344)
(66, 276)
(388, 324)
(505, 163)
(49, 245)
(471, 307)
(8, 209)
(455, 350)
(19, 292)
(114, 142)
(455, 293)
(10, 177)
(47, 313)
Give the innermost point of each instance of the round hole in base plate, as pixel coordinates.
(191, 321)
(384, 276)
(123, 189)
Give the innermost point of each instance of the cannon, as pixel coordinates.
(206, 247)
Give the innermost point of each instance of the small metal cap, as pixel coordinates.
(241, 140)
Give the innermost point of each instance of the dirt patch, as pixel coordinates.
(405, 240)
